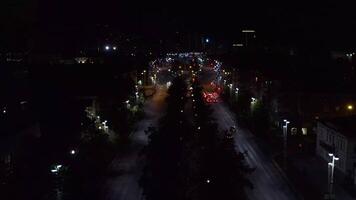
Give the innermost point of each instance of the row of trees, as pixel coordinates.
(187, 157)
(253, 114)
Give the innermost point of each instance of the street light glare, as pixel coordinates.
(350, 107)
(331, 155)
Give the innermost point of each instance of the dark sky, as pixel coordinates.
(330, 22)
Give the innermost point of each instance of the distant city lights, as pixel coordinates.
(248, 31)
(237, 45)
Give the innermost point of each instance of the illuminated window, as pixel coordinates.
(304, 131)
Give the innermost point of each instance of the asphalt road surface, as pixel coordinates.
(269, 183)
(126, 168)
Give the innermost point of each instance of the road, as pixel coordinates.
(269, 183)
(126, 168)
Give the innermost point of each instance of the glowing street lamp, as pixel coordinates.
(350, 107)
(107, 47)
(56, 169)
(253, 100)
(236, 90)
(331, 166)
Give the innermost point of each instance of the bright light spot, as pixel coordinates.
(207, 40)
(304, 131)
(350, 107)
(248, 31)
(331, 155)
(198, 127)
(128, 101)
(56, 168)
(181, 111)
(207, 180)
(237, 45)
(107, 47)
(72, 152)
(114, 48)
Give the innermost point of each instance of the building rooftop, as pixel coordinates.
(344, 125)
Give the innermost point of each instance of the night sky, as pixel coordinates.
(330, 23)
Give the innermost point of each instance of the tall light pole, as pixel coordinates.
(285, 136)
(331, 166)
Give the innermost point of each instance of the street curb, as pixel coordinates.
(290, 185)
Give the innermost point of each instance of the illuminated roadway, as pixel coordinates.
(268, 182)
(126, 168)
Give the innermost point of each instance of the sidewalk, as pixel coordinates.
(314, 171)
